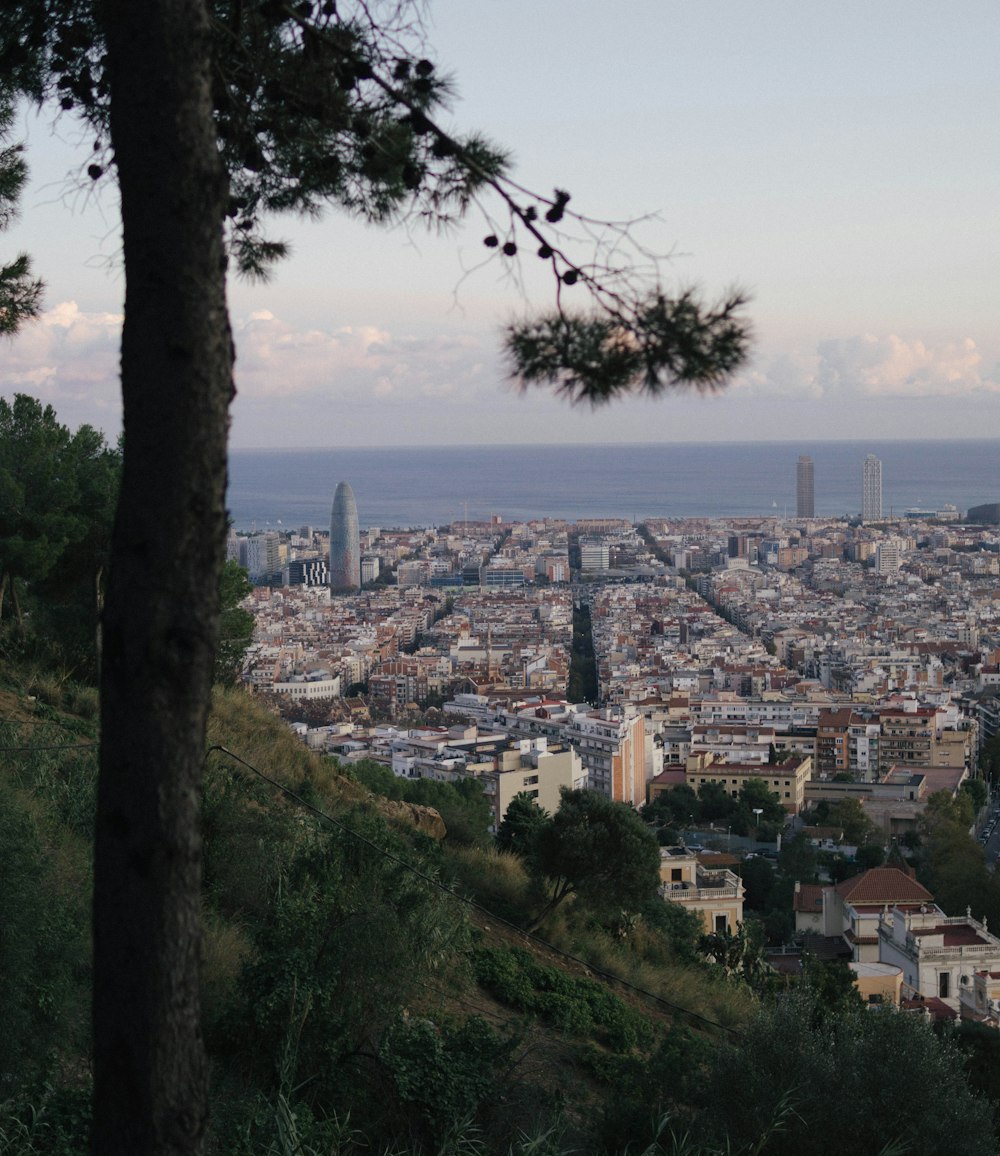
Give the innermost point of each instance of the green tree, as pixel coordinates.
(598, 850)
(849, 815)
(715, 804)
(943, 808)
(797, 859)
(71, 597)
(754, 794)
(57, 491)
(462, 805)
(522, 821)
(953, 869)
(788, 1058)
(989, 759)
(832, 984)
(869, 855)
(758, 880)
(739, 953)
(235, 624)
(674, 807)
(213, 117)
(977, 791)
(20, 293)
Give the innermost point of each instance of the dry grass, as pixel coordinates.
(692, 989)
(244, 726)
(494, 879)
(224, 947)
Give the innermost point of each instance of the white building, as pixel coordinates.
(939, 955)
(594, 554)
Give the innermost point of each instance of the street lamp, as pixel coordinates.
(758, 811)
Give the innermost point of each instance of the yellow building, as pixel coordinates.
(878, 982)
(716, 894)
(787, 780)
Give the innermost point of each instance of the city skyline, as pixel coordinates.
(785, 149)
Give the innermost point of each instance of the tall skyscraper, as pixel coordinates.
(871, 489)
(345, 541)
(805, 492)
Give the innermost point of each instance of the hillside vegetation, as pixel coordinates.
(369, 987)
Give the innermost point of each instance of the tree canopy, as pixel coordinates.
(597, 849)
(521, 823)
(794, 1053)
(58, 491)
(235, 624)
(20, 293)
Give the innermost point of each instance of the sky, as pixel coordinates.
(839, 162)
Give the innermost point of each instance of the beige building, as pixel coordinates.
(533, 767)
(715, 894)
(878, 983)
(787, 780)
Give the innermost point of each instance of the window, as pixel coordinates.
(675, 874)
(943, 981)
(530, 780)
(721, 925)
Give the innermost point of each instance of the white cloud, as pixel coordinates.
(893, 367)
(69, 359)
(275, 360)
(871, 366)
(784, 375)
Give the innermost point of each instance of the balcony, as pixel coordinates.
(710, 887)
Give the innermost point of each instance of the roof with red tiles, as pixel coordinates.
(883, 885)
(808, 898)
(937, 1008)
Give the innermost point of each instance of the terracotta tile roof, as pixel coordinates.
(883, 885)
(937, 1008)
(809, 898)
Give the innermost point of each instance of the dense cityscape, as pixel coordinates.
(826, 660)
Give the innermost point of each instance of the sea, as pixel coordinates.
(437, 485)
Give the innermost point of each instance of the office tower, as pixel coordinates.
(871, 491)
(345, 541)
(805, 493)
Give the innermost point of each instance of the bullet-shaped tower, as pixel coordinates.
(345, 542)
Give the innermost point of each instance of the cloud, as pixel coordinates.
(872, 366)
(893, 367)
(69, 359)
(274, 360)
(784, 375)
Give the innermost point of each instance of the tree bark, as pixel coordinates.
(161, 610)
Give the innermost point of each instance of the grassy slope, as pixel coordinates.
(253, 834)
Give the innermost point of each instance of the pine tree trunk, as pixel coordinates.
(161, 610)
